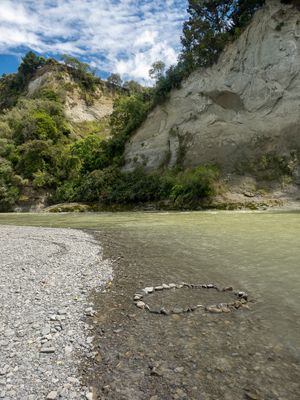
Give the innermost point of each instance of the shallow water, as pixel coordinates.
(256, 252)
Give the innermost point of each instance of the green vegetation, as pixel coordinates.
(42, 150)
(212, 24)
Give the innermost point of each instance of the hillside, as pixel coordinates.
(241, 114)
(46, 110)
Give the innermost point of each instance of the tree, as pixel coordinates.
(30, 63)
(133, 87)
(74, 63)
(210, 26)
(157, 70)
(115, 80)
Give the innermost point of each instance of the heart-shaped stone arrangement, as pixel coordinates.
(240, 299)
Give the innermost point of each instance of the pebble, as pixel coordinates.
(47, 350)
(140, 304)
(52, 395)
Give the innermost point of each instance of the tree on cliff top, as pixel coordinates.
(210, 26)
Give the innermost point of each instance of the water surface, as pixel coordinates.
(257, 252)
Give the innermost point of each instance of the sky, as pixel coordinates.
(122, 36)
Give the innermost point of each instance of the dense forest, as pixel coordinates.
(39, 151)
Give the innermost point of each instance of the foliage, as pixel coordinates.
(157, 70)
(193, 185)
(30, 63)
(212, 23)
(10, 185)
(81, 72)
(133, 87)
(115, 80)
(90, 153)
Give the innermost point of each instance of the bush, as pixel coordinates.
(9, 186)
(194, 185)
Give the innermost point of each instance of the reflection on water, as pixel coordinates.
(257, 252)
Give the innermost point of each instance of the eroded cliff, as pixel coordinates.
(242, 109)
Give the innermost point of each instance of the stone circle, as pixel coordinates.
(240, 301)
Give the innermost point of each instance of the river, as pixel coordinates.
(258, 252)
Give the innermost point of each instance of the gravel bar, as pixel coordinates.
(46, 276)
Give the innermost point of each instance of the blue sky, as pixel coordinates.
(124, 36)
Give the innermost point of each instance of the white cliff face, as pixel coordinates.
(76, 108)
(246, 105)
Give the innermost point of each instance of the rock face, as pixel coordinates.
(76, 108)
(245, 106)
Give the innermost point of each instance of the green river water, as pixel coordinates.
(254, 251)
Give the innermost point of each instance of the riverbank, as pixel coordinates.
(45, 277)
(195, 356)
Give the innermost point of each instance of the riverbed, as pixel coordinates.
(249, 352)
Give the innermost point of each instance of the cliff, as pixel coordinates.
(237, 114)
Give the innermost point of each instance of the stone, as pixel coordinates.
(47, 350)
(137, 297)
(52, 395)
(172, 285)
(177, 310)
(165, 286)
(228, 289)
(148, 290)
(140, 304)
(158, 288)
(213, 310)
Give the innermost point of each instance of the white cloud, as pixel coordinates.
(124, 36)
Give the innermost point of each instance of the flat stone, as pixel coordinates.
(214, 310)
(228, 289)
(172, 285)
(165, 286)
(148, 290)
(47, 350)
(52, 395)
(177, 310)
(137, 296)
(159, 288)
(140, 304)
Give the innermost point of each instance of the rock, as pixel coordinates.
(156, 372)
(137, 297)
(243, 295)
(140, 304)
(164, 311)
(210, 286)
(177, 310)
(159, 288)
(148, 290)
(89, 312)
(52, 395)
(250, 113)
(47, 350)
(165, 286)
(228, 289)
(89, 396)
(172, 285)
(214, 310)
(45, 330)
